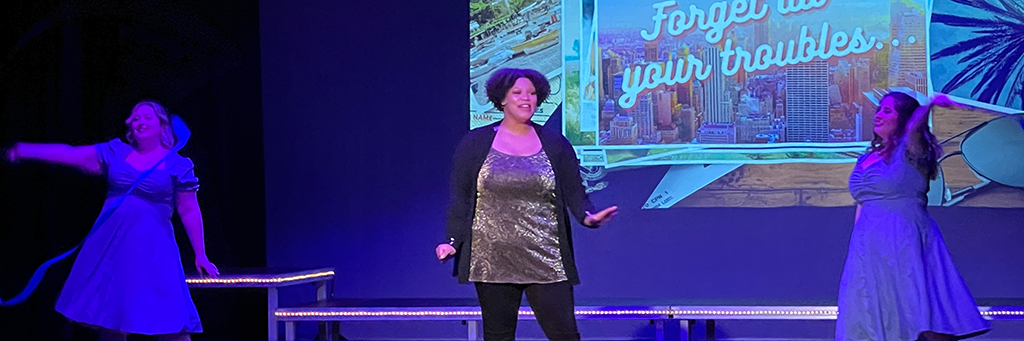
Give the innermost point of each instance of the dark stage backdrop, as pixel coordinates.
(364, 103)
(70, 73)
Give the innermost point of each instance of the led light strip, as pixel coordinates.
(257, 280)
(376, 313)
(439, 313)
(1003, 313)
(754, 312)
(618, 312)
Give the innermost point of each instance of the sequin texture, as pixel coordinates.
(515, 227)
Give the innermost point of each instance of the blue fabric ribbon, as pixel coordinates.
(183, 134)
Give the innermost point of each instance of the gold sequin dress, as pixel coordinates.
(515, 225)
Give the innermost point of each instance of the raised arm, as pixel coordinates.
(81, 157)
(919, 120)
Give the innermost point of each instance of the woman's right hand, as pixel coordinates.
(444, 250)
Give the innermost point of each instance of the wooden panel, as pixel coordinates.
(802, 184)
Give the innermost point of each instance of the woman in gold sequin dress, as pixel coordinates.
(514, 185)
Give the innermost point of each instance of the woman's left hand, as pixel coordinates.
(599, 218)
(203, 265)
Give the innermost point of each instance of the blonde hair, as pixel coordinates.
(167, 137)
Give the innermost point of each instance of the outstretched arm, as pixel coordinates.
(81, 157)
(576, 196)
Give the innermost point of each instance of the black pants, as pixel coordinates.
(552, 304)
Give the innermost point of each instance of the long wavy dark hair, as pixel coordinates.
(925, 158)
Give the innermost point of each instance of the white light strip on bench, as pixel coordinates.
(615, 312)
(376, 313)
(1003, 313)
(724, 313)
(261, 280)
(754, 312)
(453, 313)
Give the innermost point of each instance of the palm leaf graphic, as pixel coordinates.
(994, 57)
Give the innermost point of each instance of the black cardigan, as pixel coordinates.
(469, 157)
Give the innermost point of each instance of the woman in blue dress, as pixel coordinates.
(899, 282)
(128, 277)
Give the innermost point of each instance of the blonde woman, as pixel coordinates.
(128, 277)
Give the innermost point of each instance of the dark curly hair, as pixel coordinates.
(926, 159)
(503, 80)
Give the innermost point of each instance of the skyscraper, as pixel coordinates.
(717, 104)
(807, 102)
